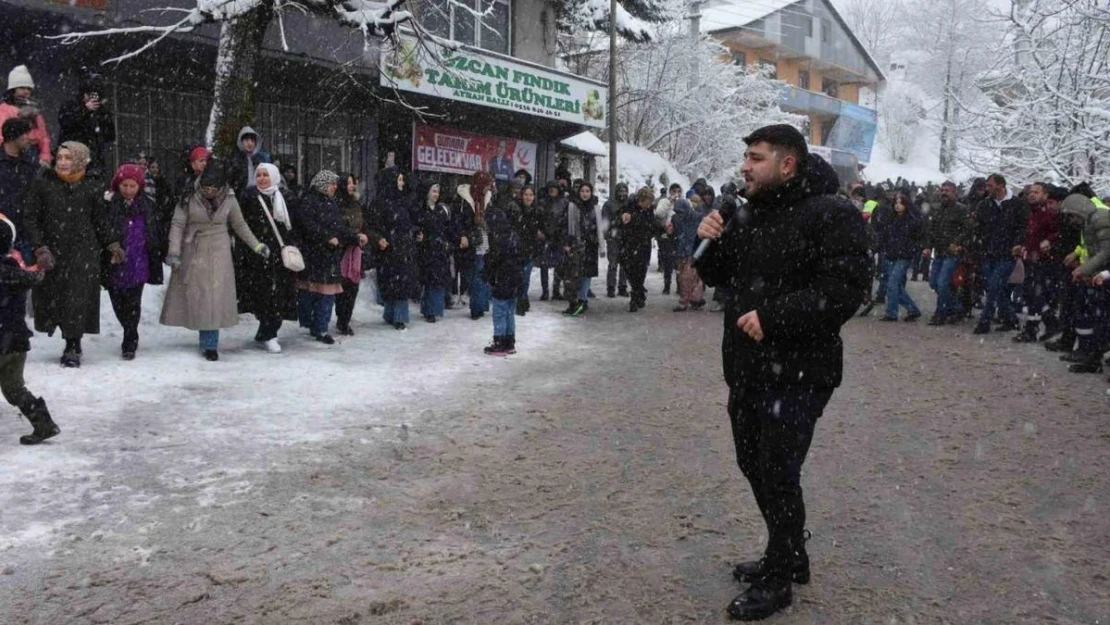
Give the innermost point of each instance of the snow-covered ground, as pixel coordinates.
(185, 422)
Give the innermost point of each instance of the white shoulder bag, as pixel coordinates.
(290, 256)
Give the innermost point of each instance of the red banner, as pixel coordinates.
(450, 151)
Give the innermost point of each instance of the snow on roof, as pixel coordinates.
(586, 142)
(725, 14)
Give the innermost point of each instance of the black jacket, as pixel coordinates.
(997, 228)
(316, 220)
(391, 219)
(504, 267)
(800, 261)
(948, 225)
(95, 129)
(16, 176)
(15, 336)
(440, 242)
(529, 223)
(636, 235)
(902, 236)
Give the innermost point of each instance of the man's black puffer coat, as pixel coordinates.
(799, 258)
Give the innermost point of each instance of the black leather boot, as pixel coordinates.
(39, 416)
(1087, 363)
(762, 599)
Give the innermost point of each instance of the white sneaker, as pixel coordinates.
(273, 346)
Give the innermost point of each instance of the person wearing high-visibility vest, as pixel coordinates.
(1090, 316)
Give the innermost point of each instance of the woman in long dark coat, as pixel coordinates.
(348, 199)
(576, 229)
(322, 234)
(436, 242)
(265, 288)
(531, 225)
(66, 220)
(392, 228)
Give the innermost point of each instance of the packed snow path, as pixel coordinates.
(406, 478)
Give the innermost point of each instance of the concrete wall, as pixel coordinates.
(534, 34)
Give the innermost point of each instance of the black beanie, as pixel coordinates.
(214, 175)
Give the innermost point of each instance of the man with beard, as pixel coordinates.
(1044, 265)
(948, 228)
(796, 262)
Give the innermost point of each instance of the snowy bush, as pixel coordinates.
(901, 111)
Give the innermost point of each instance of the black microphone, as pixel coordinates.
(732, 213)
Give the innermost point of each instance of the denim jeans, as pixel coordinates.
(526, 283)
(584, 289)
(896, 294)
(476, 286)
(504, 317)
(315, 311)
(996, 275)
(433, 302)
(941, 273)
(209, 339)
(880, 293)
(396, 311)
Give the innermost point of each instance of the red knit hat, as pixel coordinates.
(128, 171)
(199, 152)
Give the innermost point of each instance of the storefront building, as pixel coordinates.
(331, 101)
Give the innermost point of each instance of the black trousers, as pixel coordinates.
(772, 429)
(635, 264)
(128, 306)
(268, 326)
(345, 303)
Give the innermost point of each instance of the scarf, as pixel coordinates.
(79, 152)
(322, 179)
(574, 220)
(279, 211)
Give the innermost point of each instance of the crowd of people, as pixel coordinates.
(299, 254)
(1035, 262)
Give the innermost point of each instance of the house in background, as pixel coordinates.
(808, 45)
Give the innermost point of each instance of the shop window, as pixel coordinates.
(487, 27)
(803, 78)
(739, 58)
(770, 68)
(830, 88)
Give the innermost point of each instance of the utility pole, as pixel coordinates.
(612, 100)
(695, 33)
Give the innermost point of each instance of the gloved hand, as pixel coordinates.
(173, 260)
(262, 250)
(118, 255)
(44, 258)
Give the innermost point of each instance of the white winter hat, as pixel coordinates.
(20, 76)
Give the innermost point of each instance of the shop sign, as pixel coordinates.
(470, 76)
(450, 151)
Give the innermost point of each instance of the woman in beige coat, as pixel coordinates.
(201, 295)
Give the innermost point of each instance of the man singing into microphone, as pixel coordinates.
(797, 269)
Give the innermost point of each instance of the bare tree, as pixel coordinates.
(878, 25)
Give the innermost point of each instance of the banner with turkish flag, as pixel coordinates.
(450, 151)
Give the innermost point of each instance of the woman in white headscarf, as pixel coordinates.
(264, 286)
